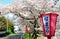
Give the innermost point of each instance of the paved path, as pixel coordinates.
(13, 36)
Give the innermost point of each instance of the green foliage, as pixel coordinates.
(26, 36)
(9, 31)
(6, 24)
(2, 23)
(10, 24)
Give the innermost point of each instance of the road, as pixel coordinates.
(13, 36)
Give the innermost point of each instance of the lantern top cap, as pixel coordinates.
(53, 13)
(48, 14)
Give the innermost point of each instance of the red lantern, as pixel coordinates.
(49, 24)
(28, 29)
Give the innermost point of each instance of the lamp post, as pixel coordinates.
(49, 24)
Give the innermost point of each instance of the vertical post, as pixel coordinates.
(7, 25)
(49, 37)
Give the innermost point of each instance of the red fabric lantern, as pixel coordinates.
(53, 24)
(28, 29)
(49, 24)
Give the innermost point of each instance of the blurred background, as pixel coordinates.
(16, 15)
